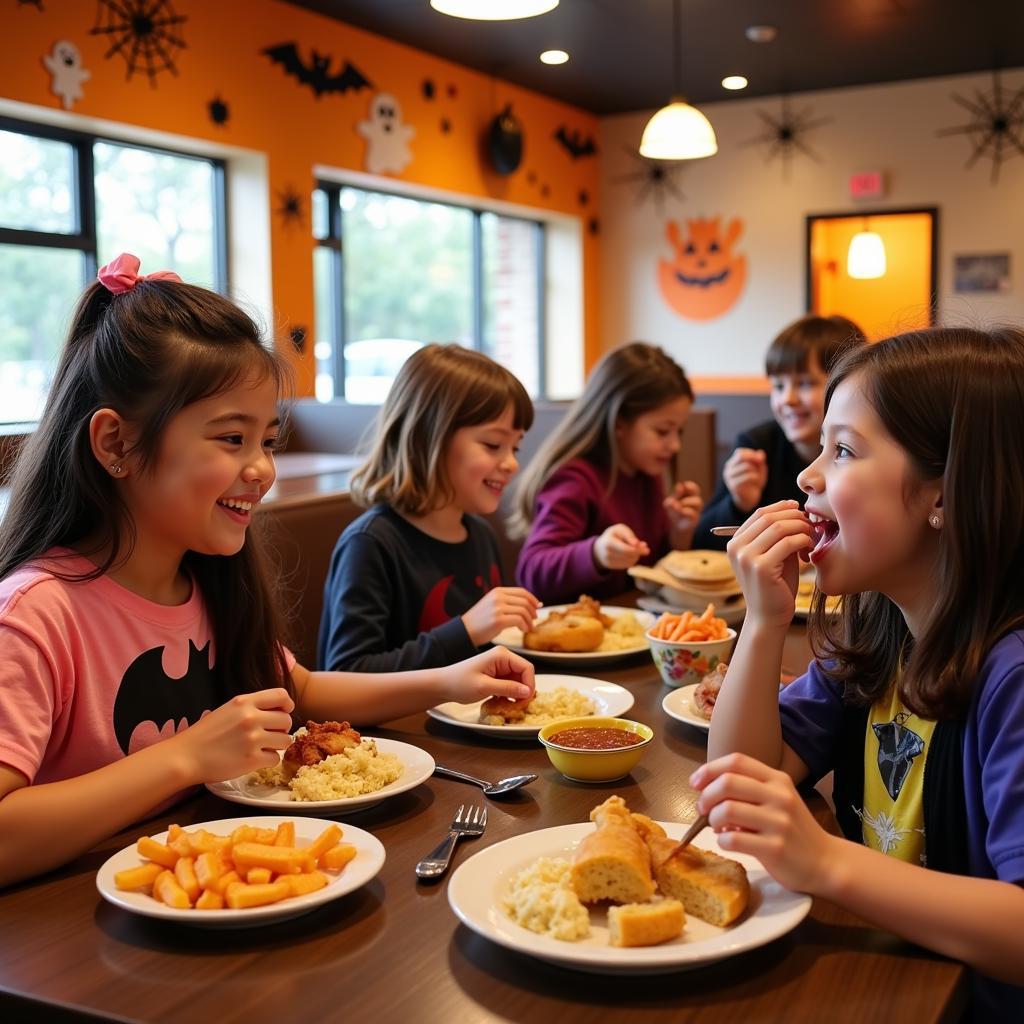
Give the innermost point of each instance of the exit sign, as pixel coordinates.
(867, 185)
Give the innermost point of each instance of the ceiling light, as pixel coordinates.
(678, 131)
(866, 257)
(761, 33)
(554, 57)
(493, 10)
(734, 82)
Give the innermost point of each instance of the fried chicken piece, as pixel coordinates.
(321, 739)
(508, 708)
(590, 608)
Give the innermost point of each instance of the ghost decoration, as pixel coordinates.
(65, 65)
(387, 138)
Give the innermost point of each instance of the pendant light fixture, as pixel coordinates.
(865, 259)
(493, 10)
(678, 131)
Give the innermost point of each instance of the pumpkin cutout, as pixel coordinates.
(704, 279)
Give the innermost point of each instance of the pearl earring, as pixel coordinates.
(935, 521)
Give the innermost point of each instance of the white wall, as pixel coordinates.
(886, 127)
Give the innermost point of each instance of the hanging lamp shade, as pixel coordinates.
(493, 10)
(678, 132)
(866, 257)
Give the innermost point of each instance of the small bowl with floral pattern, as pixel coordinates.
(684, 662)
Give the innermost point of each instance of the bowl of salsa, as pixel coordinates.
(595, 749)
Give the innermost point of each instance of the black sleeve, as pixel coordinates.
(363, 605)
(721, 510)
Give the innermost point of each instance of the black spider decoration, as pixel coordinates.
(784, 135)
(428, 89)
(143, 32)
(218, 110)
(657, 179)
(996, 130)
(297, 336)
(594, 226)
(291, 209)
(583, 196)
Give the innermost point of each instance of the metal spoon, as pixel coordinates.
(499, 788)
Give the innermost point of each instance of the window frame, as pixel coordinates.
(84, 239)
(334, 240)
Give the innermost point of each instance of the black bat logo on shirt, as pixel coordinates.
(148, 694)
(315, 74)
(897, 748)
(575, 144)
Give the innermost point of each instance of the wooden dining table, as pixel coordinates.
(393, 950)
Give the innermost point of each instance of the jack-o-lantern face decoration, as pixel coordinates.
(705, 279)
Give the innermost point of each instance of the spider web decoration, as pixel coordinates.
(656, 178)
(141, 31)
(996, 131)
(784, 135)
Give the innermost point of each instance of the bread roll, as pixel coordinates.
(710, 887)
(613, 862)
(645, 924)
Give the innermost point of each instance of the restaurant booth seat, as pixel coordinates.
(304, 525)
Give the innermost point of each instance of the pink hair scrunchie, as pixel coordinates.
(121, 275)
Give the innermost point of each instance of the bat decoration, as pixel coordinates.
(315, 74)
(574, 143)
(897, 748)
(148, 694)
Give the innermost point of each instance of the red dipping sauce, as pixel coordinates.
(595, 738)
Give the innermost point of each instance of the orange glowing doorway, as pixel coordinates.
(903, 298)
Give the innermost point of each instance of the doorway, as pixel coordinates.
(903, 298)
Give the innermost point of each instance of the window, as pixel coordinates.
(71, 202)
(393, 273)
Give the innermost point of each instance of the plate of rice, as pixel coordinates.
(342, 783)
(556, 697)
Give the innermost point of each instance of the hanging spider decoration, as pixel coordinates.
(219, 111)
(141, 31)
(657, 179)
(996, 131)
(290, 210)
(784, 135)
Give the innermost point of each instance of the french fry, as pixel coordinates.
(252, 834)
(283, 860)
(167, 890)
(185, 873)
(686, 627)
(300, 885)
(209, 867)
(258, 876)
(221, 885)
(156, 852)
(141, 877)
(285, 834)
(241, 896)
(337, 857)
(210, 900)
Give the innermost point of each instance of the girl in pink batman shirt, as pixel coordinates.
(140, 647)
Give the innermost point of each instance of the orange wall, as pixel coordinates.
(898, 301)
(272, 112)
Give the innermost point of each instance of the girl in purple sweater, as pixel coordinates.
(592, 500)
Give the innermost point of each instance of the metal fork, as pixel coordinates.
(468, 821)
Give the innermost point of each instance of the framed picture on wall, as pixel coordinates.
(984, 272)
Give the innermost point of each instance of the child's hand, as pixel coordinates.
(764, 554)
(619, 548)
(239, 736)
(494, 673)
(498, 609)
(756, 809)
(683, 508)
(745, 475)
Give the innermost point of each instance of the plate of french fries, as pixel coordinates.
(237, 872)
(688, 627)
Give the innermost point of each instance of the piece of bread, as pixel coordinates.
(613, 862)
(565, 633)
(709, 886)
(645, 924)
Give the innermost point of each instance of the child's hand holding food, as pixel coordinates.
(683, 508)
(619, 548)
(497, 610)
(496, 672)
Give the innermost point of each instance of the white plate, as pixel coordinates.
(611, 700)
(512, 638)
(477, 886)
(417, 766)
(731, 614)
(369, 859)
(678, 704)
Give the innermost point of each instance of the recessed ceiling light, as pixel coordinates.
(734, 82)
(554, 57)
(493, 10)
(761, 33)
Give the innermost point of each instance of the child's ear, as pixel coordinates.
(110, 441)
